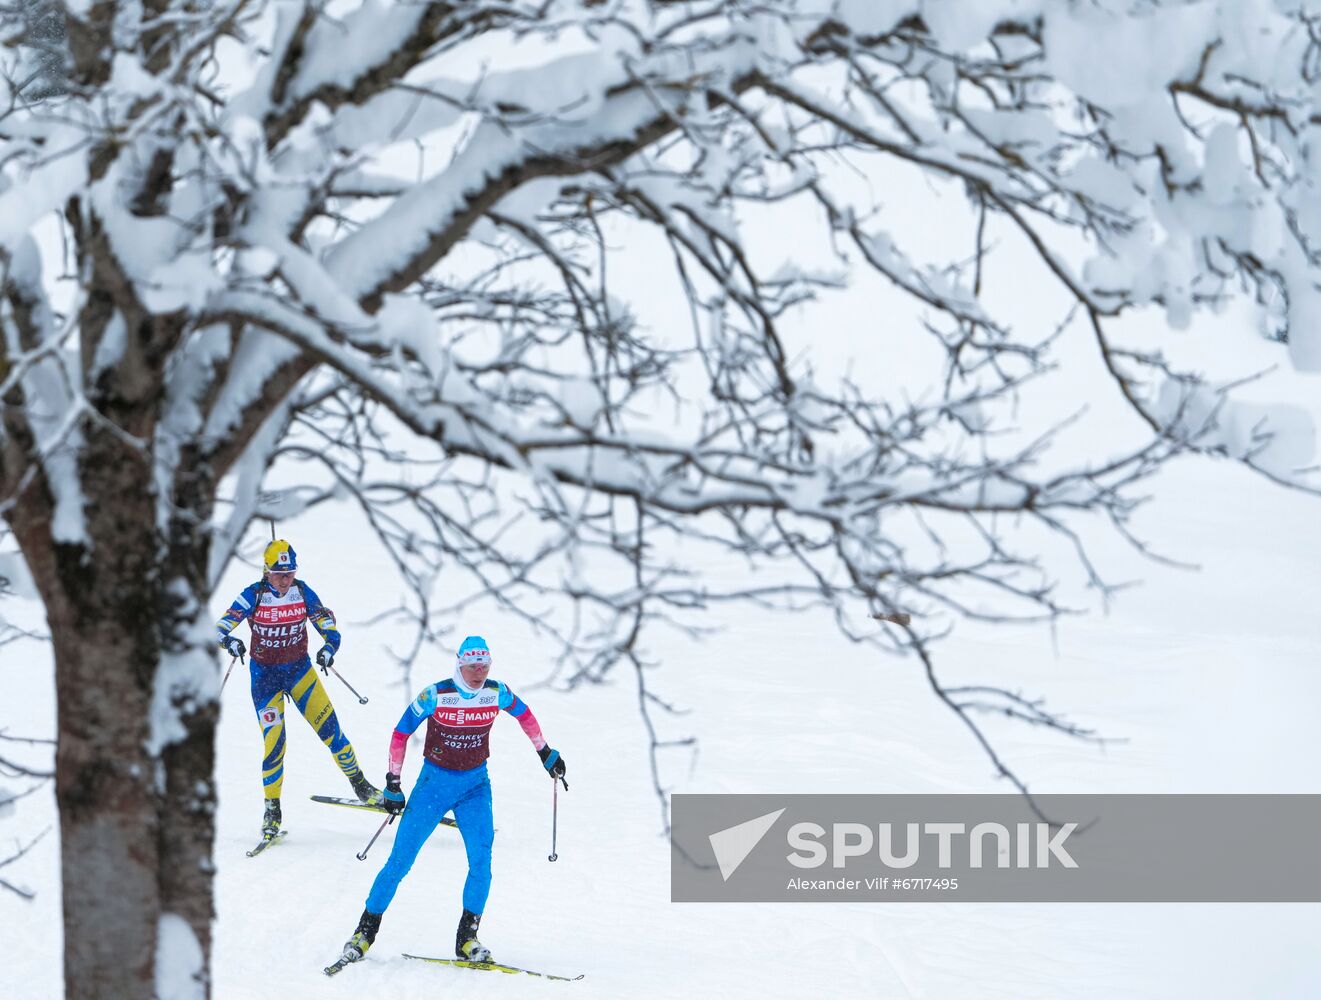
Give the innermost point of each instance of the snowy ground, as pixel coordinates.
(1210, 678)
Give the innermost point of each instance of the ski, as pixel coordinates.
(266, 842)
(331, 800)
(334, 967)
(460, 963)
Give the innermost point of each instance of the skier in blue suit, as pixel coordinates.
(459, 713)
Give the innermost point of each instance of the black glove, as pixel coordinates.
(235, 646)
(325, 656)
(394, 795)
(552, 761)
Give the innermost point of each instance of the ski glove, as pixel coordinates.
(552, 761)
(235, 646)
(325, 656)
(394, 795)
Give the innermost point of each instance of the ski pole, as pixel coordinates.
(380, 830)
(231, 667)
(361, 699)
(554, 816)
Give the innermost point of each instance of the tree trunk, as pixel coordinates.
(134, 768)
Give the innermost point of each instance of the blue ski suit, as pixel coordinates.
(453, 778)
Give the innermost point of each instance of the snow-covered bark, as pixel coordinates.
(244, 233)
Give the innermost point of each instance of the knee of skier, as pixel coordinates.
(399, 863)
(479, 858)
(268, 718)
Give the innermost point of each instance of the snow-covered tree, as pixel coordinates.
(387, 239)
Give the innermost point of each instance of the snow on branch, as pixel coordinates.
(795, 286)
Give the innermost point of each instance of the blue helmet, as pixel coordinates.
(474, 652)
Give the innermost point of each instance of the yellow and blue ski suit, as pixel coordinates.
(280, 666)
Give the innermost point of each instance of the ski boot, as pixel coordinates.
(271, 819)
(367, 793)
(466, 945)
(356, 947)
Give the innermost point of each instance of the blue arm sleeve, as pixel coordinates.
(510, 702)
(239, 610)
(421, 707)
(418, 709)
(321, 617)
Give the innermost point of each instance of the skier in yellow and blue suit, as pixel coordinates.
(278, 608)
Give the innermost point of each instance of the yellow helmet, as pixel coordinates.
(280, 557)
